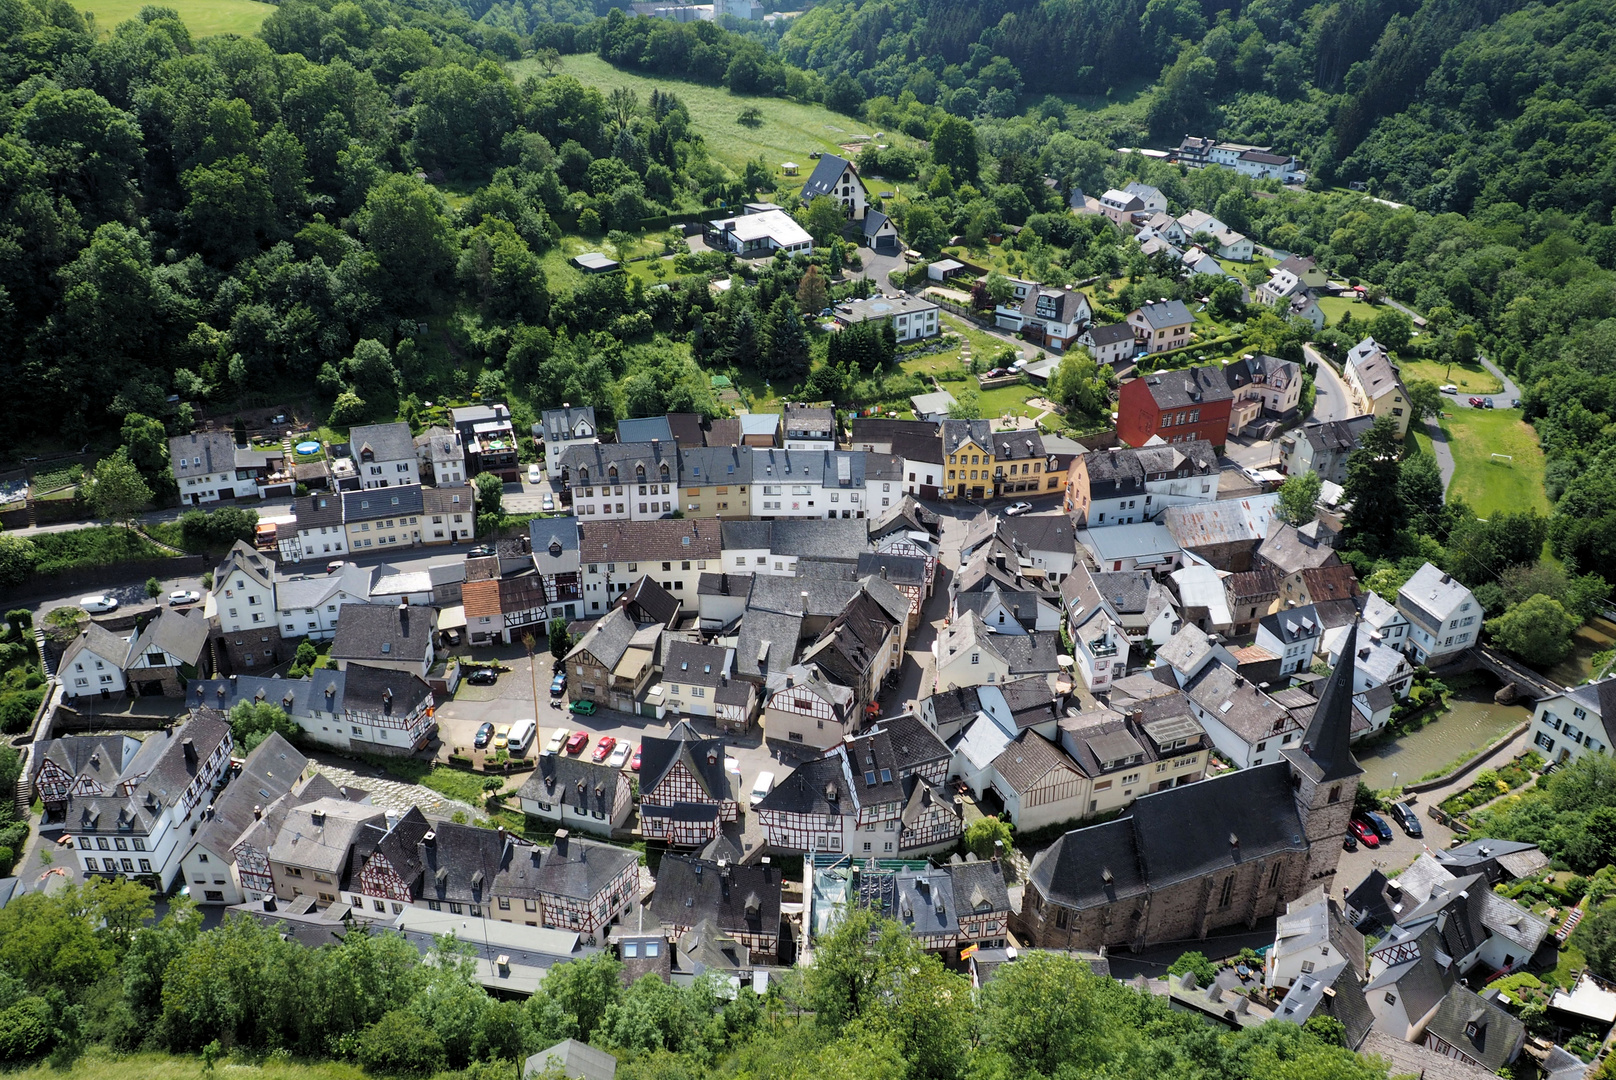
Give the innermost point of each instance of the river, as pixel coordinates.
(1472, 722)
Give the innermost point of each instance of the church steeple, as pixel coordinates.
(1327, 744)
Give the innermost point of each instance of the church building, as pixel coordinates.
(1220, 853)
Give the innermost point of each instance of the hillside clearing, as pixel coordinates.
(1490, 486)
(787, 132)
(204, 18)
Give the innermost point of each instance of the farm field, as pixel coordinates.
(1490, 486)
(204, 18)
(787, 132)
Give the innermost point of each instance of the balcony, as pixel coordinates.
(1100, 648)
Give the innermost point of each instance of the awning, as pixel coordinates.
(452, 617)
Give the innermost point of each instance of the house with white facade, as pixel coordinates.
(1055, 318)
(810, 428)
(622, 481)
(672, 552)
(1111, 344)
(242, 605)
(321, 533)
(139, 826)
(1246, 725)
(1568, 725)
(836, 179)
(1293, 635)
(271, 771)
(204, 466)
(564, 427)
(912, 318)
(307, 605)
(384, 455)
(94, 663)
(440, 454)
(1312, 936)
(1155, 202)
(1444, 618)
(1124, 485)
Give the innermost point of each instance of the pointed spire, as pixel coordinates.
(1328, 741)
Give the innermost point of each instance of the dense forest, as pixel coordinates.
(79, 968)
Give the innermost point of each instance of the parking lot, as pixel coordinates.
(511, 699)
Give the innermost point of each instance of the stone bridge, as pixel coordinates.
(1526, 681)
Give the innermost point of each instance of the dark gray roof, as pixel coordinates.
(956, 432)
(704, 758)
(769, 636)
(298, 697)
(818, 786)
(738, 898)
(1344, 1001)
(690, 662)
(269, 772)
(810, 420)
(373, 503)
(317, 510)
(608, 639)
(570, 781)
(383, 632)
(553, 422)
(898, 569)
(1288, 551)
(703, 465)
(459, 862)
(593, 462)
(646, 602)
(1479, 1028)
(385, 691)
(1029, 654)
(1061, 305)
(399, 844)
(1191, 386)
(573, 868)
(817, 538)
(387, 442)
(1110, 334)
(873, 220)
(1173, 835)
(182, 634)
(1293, 624)
(956, 704)
(1172, 313)
(979, 887)
(1421, 981)
(826, 175)
(217, 449)
(559, 531)
(1326, 753)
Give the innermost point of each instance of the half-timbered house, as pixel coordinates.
(806, 811)
(802, 706)
(685, 795)
(389, 863)
(981, 903)
(612, 664)
(577, 794)
(272, 770)
(1038, 783)
(742, 901)
(573, 885)
(82, 766)
(387, 711)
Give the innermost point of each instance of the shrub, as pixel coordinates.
(400, 1045)
(17, 710)
(25, 1029)
(1205, 971)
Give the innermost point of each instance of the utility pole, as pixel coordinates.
(533, 678)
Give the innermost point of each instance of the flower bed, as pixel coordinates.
(1490, 783)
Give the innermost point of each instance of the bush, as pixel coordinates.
(17, 710)
(1205, 971)
(25, 1029)
(400, 1045)
(97, 545)
(981, 835)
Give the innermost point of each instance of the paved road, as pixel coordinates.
(1332, 401)
(269, 508)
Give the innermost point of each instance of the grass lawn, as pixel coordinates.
(1469, 378)
(1422, 440)
(101, 1064)
(1334, 307)
(1474, 435)
(788, 132)
(203, 18)
(1007, 400)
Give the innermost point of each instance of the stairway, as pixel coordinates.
(1569, 925)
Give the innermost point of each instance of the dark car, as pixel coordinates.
(1364, 831)
(1378, 823)
(1349, 844)
(484, 735)
(483, 677)
(1408, 819)
(558, 685)
(1486, 403)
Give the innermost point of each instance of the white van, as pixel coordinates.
(522, 733)
(95, 605)
(761, 787)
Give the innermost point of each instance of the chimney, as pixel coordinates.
(430, 839)
(805, 601)
(258, 813)
(190, 751)
(318, 817)
(561, 842)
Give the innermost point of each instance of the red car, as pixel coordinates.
(634, 762)
(577, 741)
(604, 747)
(1475, 403)
(1365, 833)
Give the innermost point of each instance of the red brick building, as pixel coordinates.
(1177, 405)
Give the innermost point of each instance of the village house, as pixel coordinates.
(382, 518)
(624, 481)
(320, 531)
(613, 662)
(1123, 485)
(1247, 726)
(686, 797)
(1322, 447)
(741, 901)
(1120, 207)
(1161, 326)
(1055, 318)
(1444, 617)
(911, 318)
(577, 794)
(1111, 345)
(1567, 725)
(1292, 634)
(672, 552)
(272, 770)
(1175, 407)
(968, 443)
(1228, 243)
(204, 466)
(564, 427)
(135, 821)
(1137, 746)
(448, 515)
(836, 178)
(802, 705)
(440, 457)
(1375, 386)
(384, 455)
(242, 605)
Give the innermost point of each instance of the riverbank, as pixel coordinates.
(1471, 723)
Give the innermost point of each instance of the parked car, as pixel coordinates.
(548, 503)
(604, 747)
(1514, 403)
(1486, 403)
(584, 707)
(1448, 388)
(1350, 843)
(502, 737)
(619, 756)
(1409, 820)
(997, 373)
(558, 685)
(1364, 832)
(1378, 823)
(484, 734)
(182, 597)
(97, 604)
(634, 762)
(335, 567)
(1475, 403)
(1017, 508)
(535, 475)
(761, 787)
(577, 741)
(557, 741)
(483, 676)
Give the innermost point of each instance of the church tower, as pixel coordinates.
(1324, 773)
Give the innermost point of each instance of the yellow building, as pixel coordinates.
(967, 459)
(716, 482)
(382, 517)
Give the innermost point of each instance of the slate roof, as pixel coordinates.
(387, 442)
(373, 503)
(270, 771)
(1412, 1059)
(1326, 753)
(1109, 334)
(1498, 1034)
(873, 220)
(1333, 991)
(704, 758)
(818, 786)
(1172, 313)
(217, 449)
(956, 704)
(1070, 304)
(576, 1060)
(320, 834)
(382, 632)
(398, 843)
(1238, 705)
(553, 422)
(663, 538)
(817, 538)
(1190, 386)
(647, 601)
(737, 898)
(1028, 760)
(99, 641)
(318, 510)
(702, 466)
(826, 176)
(956, 433)
(690, 662)
(767, 636)
(1174, 835)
